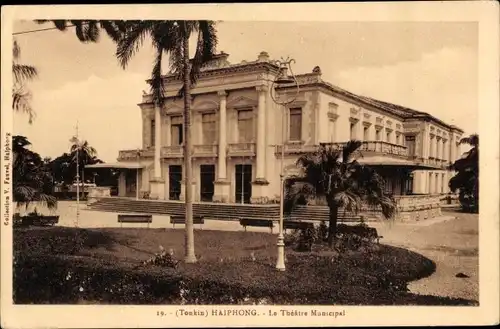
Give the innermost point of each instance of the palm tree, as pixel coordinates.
(22, 73)
(31, 182)
(333, 173)
(90, 30)
(466, 179)
(172, 38)
(86, 155)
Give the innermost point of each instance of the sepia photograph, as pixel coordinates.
(215, 169)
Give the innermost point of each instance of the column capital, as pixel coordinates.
(438, 138)
(261, 88)
(222, 93)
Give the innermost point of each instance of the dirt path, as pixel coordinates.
(452, 244)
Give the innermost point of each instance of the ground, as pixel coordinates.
(451, 242)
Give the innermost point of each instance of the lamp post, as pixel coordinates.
(285, 81)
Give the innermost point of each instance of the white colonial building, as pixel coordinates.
(237, 137)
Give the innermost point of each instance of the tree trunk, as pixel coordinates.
(190, 256)
(332, 223)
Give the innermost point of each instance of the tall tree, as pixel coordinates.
(466, 179)
(22, 73)
(31, 182)
(172, 39)
(333, 173)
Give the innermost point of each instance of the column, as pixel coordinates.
(438, 148)
(221, 163)
(157, 182)
(157, 159)
(168, 131)
(259, 186)
(222, 184)
(122, 184)
(261, 133)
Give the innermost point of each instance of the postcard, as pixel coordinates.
(213, 165)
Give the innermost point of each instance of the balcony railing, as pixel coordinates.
(134, 155)
(241, 149)
(175, 151)
(368, 146)
(296, 148)
(205, 150)
(385, 148)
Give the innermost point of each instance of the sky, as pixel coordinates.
(427, 66)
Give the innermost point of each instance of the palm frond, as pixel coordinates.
(21, 102)
(23, 72)
(472, 140)
(16, 50)
(350, 149)
(132, 41)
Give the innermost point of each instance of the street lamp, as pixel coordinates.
(137, 174)
(283, 80)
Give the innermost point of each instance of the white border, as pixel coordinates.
(485, 12)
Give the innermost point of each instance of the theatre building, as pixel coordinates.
(237, 138)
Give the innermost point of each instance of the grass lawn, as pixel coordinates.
(68, 265)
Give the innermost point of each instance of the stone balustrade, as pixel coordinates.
(241, 149)
(205, 150)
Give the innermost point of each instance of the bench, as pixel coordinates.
(182, 220)
(256, 223)
(296, 225)
(146, 219)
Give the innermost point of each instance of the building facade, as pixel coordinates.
(238, 132)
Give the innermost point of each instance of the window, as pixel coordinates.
(431, 145)
(353, 131)
(208, 128)
(377, 134)
(295, 127)
(388, 137)
(152, 132)
(245, 126)
(442, 183)
(176, 131)
(398, 136)
(410, 144)
(365, 134)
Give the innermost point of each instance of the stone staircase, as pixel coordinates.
(219, 211)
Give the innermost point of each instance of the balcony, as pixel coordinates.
(367, 147)
(134, 155)
(385, 148)
(241, 149)
(296, 148)
(175, 151)
(201, 151)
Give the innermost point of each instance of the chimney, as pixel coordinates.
(263, 57)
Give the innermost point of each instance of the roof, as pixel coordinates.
(220, 64)
(117, 165)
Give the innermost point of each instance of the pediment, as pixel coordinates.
(205, 105)
(242, 101)
(173, 109)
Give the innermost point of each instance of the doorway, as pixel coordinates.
(243, 179)
(174, 180)
(207, 178)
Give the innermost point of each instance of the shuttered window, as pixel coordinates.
(176, 130)
(245, 126)
(295, 126)
(208, 128)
